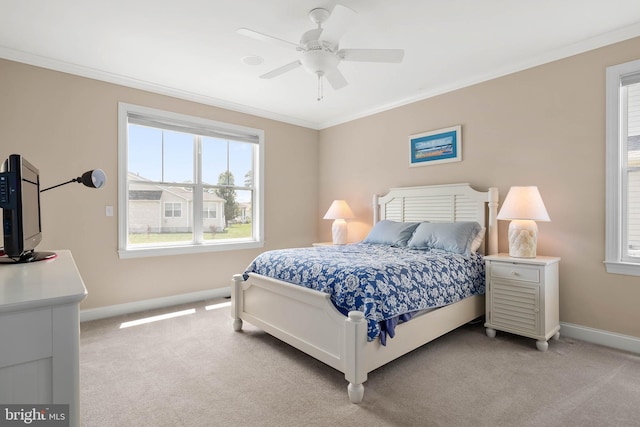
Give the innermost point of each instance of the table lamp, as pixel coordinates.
(523, 206)
(339, 211)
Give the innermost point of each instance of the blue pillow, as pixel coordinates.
(455, 237)
(392, 233)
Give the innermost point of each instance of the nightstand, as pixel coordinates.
(522, 297)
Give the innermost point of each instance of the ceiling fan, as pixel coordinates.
(319, 48)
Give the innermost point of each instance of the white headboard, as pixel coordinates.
(442, 203)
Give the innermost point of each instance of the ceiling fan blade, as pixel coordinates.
(372, 55)
(337, 24)
(281, 70)
(336, 79)
(265, 38)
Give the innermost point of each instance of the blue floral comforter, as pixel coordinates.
(383, 282)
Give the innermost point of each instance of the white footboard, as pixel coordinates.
(305, 319)
(308, 320)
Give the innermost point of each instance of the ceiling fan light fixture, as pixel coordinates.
(319, 61)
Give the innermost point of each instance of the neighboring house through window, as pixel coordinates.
(623, 169)
(187, 184)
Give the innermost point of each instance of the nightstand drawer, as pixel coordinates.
(515, 272)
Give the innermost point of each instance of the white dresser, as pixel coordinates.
(40, 333)
(522, 297)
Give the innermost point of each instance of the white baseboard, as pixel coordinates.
(597, 336)
(150, 304)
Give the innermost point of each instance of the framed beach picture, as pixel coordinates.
(438, 146)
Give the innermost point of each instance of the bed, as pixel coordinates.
(308, 320)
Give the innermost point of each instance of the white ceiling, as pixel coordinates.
(190, 48)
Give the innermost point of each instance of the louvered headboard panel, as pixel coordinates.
(442, 203)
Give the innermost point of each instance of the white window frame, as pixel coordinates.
(231, 130)
(209, 210)
(615, 259)
(173, 209)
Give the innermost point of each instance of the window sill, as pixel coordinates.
(185, 250)
(627, 268)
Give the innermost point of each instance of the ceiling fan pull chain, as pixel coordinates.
(320, 88)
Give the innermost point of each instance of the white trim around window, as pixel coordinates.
(128, 113)
(617, 259)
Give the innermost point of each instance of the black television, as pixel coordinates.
(20, 203)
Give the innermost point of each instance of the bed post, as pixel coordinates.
(492, 246)
(236, 301)
(354, 344)
(376, 214)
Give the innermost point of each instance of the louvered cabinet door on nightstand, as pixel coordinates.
(522, 297)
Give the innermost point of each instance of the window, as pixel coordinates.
(210, 210)
(172, 210)
(623, 169)
(187, 184)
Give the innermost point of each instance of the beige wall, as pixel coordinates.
(544, 126)
(66, 125)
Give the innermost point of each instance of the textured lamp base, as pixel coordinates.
(339, 232)
(523, 239)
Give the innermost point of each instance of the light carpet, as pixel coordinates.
(194, 370)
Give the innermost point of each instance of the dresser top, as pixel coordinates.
(41, 284)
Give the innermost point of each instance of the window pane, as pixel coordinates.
(633, 110)
(633, 165)
(210, 210)
(145, 152)
(159, 214)
(213, 219)
(233, 214)
(633, 214)
(160, 155)
(226, 162)
(244, 206)
(173, 210)
(178, 157)
(241, 163)
(214, 160)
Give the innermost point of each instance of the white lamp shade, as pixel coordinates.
(523, 206)
(524, 203)
(339, 209)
